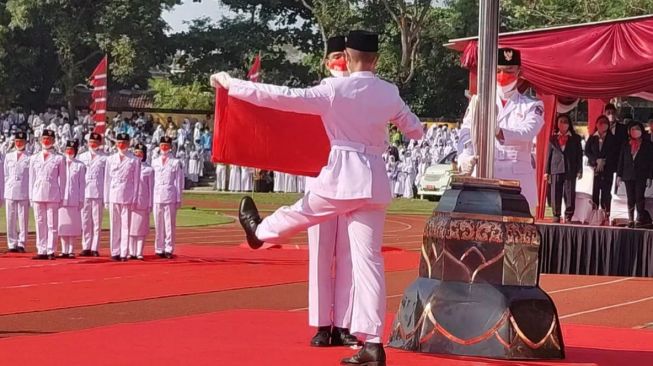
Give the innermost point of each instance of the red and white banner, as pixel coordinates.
(99, 105)
(255, 71)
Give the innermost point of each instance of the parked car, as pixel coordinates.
(436, 178)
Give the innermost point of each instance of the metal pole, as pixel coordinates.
(488, 30)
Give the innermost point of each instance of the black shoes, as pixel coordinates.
(43, 257)
(372, 354)
(328, 336)
(249, 220)
(161, 255)
(21, 249)
(322, 338)
(167, 255)
(14, 250)
(66, 256)
(95, 253)
(86, 253)
(115, 258)
(342, 337)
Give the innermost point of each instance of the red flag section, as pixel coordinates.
(99, 95)
(264, 138)
(255, 71)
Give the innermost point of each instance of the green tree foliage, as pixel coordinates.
(195, 96)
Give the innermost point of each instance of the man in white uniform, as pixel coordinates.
(520, 119)
(355, 111)
(16, 190)
(329, 298)
(121, 179)
(95, 161)
(168, 189)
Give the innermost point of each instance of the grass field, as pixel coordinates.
(397, 206)
(186, 217)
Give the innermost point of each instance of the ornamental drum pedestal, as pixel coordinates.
(477, 293)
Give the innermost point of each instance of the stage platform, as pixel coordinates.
(271, 338)
(596, 250)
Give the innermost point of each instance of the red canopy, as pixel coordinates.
(596, 61)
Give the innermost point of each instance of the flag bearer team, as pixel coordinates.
(69, 193)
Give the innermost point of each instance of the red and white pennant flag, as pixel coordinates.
(255, 71)
(99, 95)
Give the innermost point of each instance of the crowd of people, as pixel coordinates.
(70, 174)
(616, 152)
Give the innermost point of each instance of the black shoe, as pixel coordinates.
(51, 257)
(322, 337)
(249, 220)
(115, 258)
(631, 224)
(132, 257)
(123, 259)
(14, 250)
(21, 249)
(372, 354)
(161, 255)
(95, 253)
(167, 255)
(40, 257)
(342, 337)
(64, 255)
(86, 253)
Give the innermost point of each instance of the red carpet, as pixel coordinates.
(28, 285)
(276, 338)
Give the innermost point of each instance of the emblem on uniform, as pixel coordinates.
(539, 110)
(520, 115)
(508, 55)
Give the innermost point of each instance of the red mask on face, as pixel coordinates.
(122, 145)
(93, 144)
(504, 78)
(47, 142)
(20, 144)
(338, 64)
(164, 148)
(70, 152)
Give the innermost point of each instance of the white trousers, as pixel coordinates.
(365, 228)
(330, 287)
(165, 222)
(67, 244)
(17, 223)
(119, 215)
(220, 178)
(46, 218)
(526, 178)
(136, 245)
(92, 213)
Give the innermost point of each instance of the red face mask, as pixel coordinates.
(20, 144)
(504, 78)
(164, 148)
(47, 142)
(338, 64)
(70, 152)
(121, 145)
(93, 144)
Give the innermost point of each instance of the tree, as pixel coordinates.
(195, 96)
(82, 31)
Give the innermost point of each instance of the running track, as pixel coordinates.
(608, 301)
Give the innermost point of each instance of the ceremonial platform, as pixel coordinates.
(596, 250)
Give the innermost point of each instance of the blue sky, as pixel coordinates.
(190, 10)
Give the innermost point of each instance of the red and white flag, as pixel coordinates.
(255, 70)
(99, 105)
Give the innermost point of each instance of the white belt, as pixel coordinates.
(357, 147)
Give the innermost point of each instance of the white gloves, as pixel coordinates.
(221, 79)
(467, 164)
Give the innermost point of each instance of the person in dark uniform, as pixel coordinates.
(618, 129)
(563, 166)
(602, 151)
(635, 169)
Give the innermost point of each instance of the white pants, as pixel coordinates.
(119, 215)
(136, 245)
(365, 227)
(526, 178)
(92, 213)
(17, 214)
(165, 221)
(329, 296)
(46, 218)
(220, 178)
(67, 244)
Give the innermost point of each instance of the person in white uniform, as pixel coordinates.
(355, 111)
(520, 119)
(329, 265)
(70, 217)
(16, 192)
(139, 227)
(220, 177)
(121, 179)
(168, 189)
(47, 180)
(93, 210)
(234, 178)
(246, 178)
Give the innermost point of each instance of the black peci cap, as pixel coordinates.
(123, 137)
(509, 57)
(363, 41)
(335, 44)
(20, 135)
(166, 140)
(94, 136)
(48, 133)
